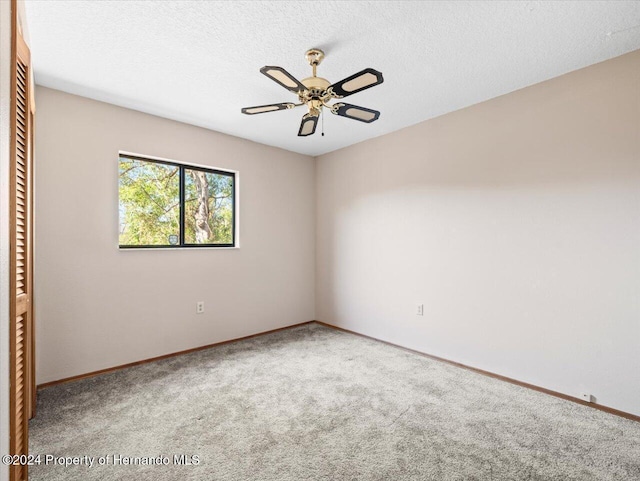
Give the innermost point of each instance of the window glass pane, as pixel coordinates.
(149, 207)
(208, 214)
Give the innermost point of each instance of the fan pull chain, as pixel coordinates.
(322, 115)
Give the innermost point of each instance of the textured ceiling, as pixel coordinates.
(198, 61)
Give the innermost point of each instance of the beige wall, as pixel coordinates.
(98, 307)
(516, 222)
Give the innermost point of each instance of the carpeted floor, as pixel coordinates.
(312, 403)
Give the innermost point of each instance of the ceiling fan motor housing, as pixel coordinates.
(316, 86)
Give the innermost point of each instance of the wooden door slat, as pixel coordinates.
(20, 266)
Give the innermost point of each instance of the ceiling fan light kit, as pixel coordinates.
(315, 92)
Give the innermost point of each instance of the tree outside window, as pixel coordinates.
(163, 204)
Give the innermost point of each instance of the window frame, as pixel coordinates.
(182, 166)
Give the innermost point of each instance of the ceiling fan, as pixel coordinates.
(315, 92)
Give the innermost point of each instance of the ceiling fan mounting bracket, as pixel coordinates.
(314, 56)
(334, 108)
(331, 94)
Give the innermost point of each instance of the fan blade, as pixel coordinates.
(357, 113)
(261, 109)
(308, 125)
(357, 82)
(284, 78)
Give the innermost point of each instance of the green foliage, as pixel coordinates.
(220, 208)
(149, 202)
(149, 207)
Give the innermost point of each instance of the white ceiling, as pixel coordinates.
(198, 61)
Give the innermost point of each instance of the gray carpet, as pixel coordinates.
(312, 403)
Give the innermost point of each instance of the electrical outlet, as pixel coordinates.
(420, 310)
(199, 307)
(587, 397)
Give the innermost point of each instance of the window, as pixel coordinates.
(165, 204)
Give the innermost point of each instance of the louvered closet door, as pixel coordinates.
(21, 256)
